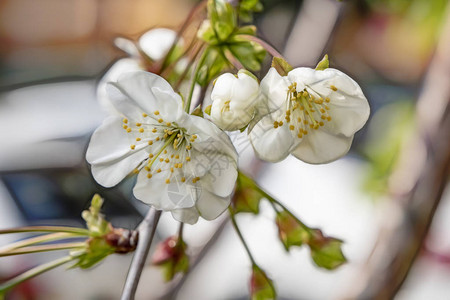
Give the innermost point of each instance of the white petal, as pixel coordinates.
(149, 92)
(271, 144)
(320, 147)
(222, 88)
(110, 154)
(274, 87)
(210, 206)
(210, 137)
(348, 119)
(221, 177)
(167, 197)
(234, 100)
(127, 46)
(321, 81)
(186, 215)
(157, 42)
(121, 66)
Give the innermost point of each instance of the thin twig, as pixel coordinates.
(146, 233)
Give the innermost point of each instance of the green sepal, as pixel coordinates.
(96, 250)
(247, 8)
(323, 64)
(222, 17)
(214, 63)
(261, 287)
(246, 197)
(249, 54)
(170, 256)
(197, 111)
(326, 252)
(282, 66)
(290, 231)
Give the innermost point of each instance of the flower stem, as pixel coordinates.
(34, 272)
(39, 239)
(264, 44)
(147, 230)
(238, 231)
(74, 230)
(273, 201)
(42, 248)
(194, 79)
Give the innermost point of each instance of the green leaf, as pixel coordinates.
(282, 66)
(261, 287)
(290, 231)
(323, 64)
(326, 252)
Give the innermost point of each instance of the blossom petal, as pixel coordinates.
(118, 68)
(274, 87)
(110, 154)
(320, 147)
(221, 176)
(144, 89)
(186, 215)
(348, 119)
(271, 144)
(210, 206)
(175, 195)
(157, 42)
(210, 137)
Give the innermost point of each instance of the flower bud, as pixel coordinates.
(290, 231)
(261, 287)
(170, 255)
(234, 100)
(326, 251)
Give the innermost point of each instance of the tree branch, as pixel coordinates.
(146, 231)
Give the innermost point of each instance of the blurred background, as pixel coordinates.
(387, 199)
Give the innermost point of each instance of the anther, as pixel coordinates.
(138, 139)
(333, 88)
(160, 120)
(144, 115)
(128, 129)
(141, 130)
(167, 180)
(183, 179)
(125, 120)
(132, 147)
(291, 127)
(138, 124)
(150, 143)
(156, 112)
(149, 175)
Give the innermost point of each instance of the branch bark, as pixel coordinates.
(409, 214)
(146, 231)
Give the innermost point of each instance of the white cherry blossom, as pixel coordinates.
(314, 115)
(185, 164)
(234, 99)
(153, 44)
